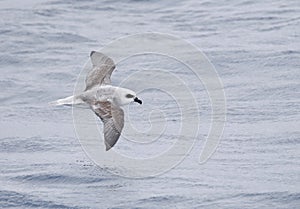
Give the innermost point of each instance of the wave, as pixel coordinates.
(52, 178)
(9, 199)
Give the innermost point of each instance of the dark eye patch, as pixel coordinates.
(129, 96)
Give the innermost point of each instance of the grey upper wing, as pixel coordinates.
(103, 67)
(113, 122)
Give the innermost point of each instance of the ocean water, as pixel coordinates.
(254, 46)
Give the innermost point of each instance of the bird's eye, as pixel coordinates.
(129, 96)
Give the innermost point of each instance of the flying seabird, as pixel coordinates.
(103, 98)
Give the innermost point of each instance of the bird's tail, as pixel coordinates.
(71, 100)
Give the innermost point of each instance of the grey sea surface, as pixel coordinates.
(254, 46)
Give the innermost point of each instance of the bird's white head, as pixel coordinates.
(124, 96)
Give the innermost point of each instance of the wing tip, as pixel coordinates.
(107, 147)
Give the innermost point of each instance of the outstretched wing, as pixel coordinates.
(113, 122)
(103, 67)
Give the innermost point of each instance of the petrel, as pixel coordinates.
(103, 98)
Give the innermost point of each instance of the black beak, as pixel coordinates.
(92, 52)
(138, 100)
